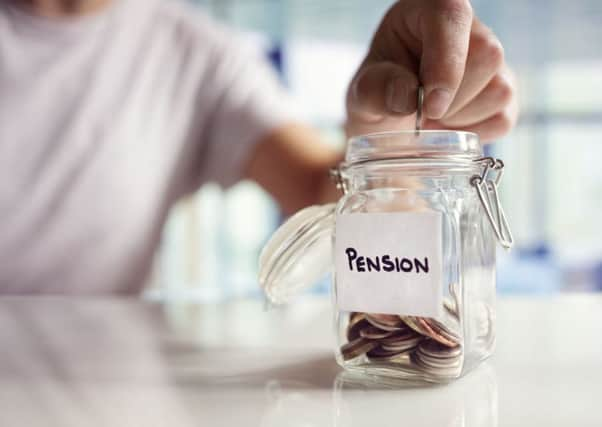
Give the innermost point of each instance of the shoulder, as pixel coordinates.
(190, 26)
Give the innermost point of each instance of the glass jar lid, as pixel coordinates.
(298, 254)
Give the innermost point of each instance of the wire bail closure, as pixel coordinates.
(337, 177)
(486, 185)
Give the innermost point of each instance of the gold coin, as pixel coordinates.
(356, 348)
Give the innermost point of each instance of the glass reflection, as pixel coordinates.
(472, 401)
(469, 402)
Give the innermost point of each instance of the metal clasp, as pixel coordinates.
(337, 177)
(486, 185)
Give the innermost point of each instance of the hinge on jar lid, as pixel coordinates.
(487, 189)
(337, 177)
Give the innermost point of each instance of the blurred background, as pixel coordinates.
(552, 189)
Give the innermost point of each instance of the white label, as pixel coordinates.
(389, 263)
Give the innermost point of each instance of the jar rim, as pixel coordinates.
(390, 145)
(414, 132)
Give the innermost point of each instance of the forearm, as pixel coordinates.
(292, 164)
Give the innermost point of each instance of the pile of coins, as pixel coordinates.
(418, 344)
(413, 342)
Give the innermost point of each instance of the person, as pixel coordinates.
(111, 110)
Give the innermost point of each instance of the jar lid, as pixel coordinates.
(298, 254)
(412, 144)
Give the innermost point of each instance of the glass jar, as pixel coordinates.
(413, 242)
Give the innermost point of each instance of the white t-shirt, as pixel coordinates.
(106, 120)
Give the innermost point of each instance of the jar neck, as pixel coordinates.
(410, 173)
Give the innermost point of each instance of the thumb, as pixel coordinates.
(382, 89)
(445, 31)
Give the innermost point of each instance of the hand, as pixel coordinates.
(458, 60)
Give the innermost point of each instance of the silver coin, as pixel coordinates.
(402, 344)
(431, 348)
(419, 105)
(444, 372)
(386, 322)
(450, 307)
(454, 292)
(400, 335)
(373, 333)
(401, 348)
(484, 319)
(438, 360)
(438, 364)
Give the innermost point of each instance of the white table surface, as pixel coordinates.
(111, 362)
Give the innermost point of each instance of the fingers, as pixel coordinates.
(489, 129)
(493, 99)
(494, 127)
(444, 28)
(485, 59)
(382, 89)
(457, 59)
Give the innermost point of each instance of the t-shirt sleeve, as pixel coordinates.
(242, 101)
